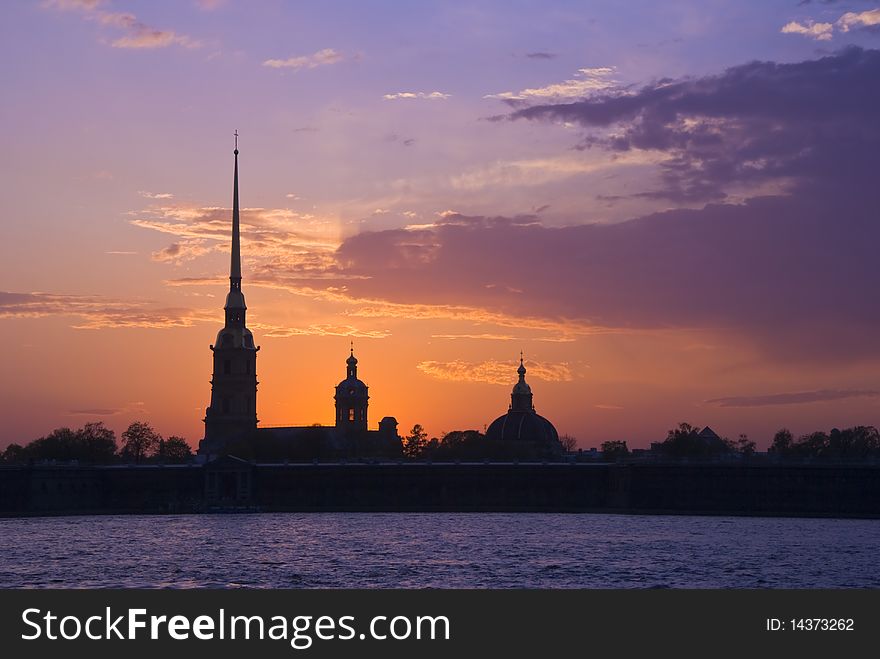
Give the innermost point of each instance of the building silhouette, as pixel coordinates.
(231, 424)
(522, 423)
(233, 409)
(351, 400)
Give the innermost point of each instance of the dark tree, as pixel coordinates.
(782, 442)
(569, 443)
(814, 445)
(686, 442)
(97, 443)
(681, 441)
(94, 443)
(856, 443)
(614, 450)
(15, 453)
(174, 450)
(744, 445)
(60, 444)
(415, 443)
(139, 441)
(853, 443)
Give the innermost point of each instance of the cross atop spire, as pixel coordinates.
(236, 141)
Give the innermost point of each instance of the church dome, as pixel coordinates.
(520, 425)
(352, 387)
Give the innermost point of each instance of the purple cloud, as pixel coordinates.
(794, 275)
(798, 398)
(806, 122)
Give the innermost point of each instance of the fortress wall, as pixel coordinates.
(833, 490)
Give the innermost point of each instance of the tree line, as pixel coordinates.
(95, 443)
(473, 445)
(684, 441)
(858, 442)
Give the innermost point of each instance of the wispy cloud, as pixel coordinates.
(485, 336)
(541, 55)
(797, 398)
(98, 312)
(180, 252)
(818, 31)
(96, 411)
(155, 195)
(273, 239)
(851, 20)
(494, 372)
(320, 58)
(367, 308)
(586, 81)
(430, 96)
(553, 329)
(135, 408)
(539, 171)
(276, 331)
(136, 33)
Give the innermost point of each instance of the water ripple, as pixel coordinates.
(345, 550)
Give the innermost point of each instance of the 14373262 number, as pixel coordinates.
(822, 624)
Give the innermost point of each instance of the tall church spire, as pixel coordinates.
(233, 409)
(235, 269)
(235, 298)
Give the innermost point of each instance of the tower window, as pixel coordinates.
(227, 366)
(351, 414)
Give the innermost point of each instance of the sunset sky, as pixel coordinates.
(670, 208)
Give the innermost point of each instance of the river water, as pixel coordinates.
(437, 550)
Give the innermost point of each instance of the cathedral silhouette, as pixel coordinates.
(231, 424)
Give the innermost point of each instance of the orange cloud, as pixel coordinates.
(137, 34)
(180, 252)
(98, 312)
(273, 239)
(274, 331)
(494, 372)
(295, 252)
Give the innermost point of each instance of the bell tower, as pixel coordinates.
(351, 400)
(233, 409)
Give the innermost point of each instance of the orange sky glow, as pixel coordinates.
(443, 189)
